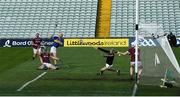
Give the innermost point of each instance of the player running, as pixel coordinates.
(36, 43)
(109, 61)
(57, 41)
(45, 60)
(131, 52)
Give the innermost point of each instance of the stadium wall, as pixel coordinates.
(112, 42)
(21, 42)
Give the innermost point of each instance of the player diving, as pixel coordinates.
(45, 57)
(109, 61)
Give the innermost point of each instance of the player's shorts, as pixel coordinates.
(109, 66)
(47, 65)
(139, 64)
(36, 51)
(53, 50)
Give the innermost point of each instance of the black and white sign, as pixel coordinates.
(144, 42)
(178, 41)
(22, 42)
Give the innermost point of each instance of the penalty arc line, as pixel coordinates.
(27, 83)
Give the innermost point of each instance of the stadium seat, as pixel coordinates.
(25, 16)
(165, 12)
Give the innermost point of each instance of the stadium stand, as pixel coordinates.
(162, 12)
(23, 18)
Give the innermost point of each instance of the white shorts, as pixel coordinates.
(53, 50)
(36, 51)
(109, 66)
(139, 64)
(48, 65)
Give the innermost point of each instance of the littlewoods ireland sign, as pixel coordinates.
(48, 42)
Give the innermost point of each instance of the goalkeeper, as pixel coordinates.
(109, 61)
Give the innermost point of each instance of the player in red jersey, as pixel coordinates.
(131, 52)
(36, 43)
(45, 60)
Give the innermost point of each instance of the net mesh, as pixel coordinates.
(153, 71)
(151, 29)
(158, 61)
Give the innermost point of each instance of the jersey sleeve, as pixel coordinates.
(129, 51)
(33, 40)
(62, 40)
(55, 37)
(104, 50)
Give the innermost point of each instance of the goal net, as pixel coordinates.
(159, 62)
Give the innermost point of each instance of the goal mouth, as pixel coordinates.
(159, 61)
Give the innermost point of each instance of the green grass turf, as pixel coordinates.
(77, 75)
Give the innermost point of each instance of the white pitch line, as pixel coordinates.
(134, 90)
(27, 83)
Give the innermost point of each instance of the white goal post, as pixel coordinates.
(155, 30)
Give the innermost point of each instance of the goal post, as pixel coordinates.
(161, 54)
(159, 62)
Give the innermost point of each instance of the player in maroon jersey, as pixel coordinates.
(36, 43)
(45, 60)
(110, 54)
(131, 52)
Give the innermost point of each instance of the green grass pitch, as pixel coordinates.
(76, 76)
